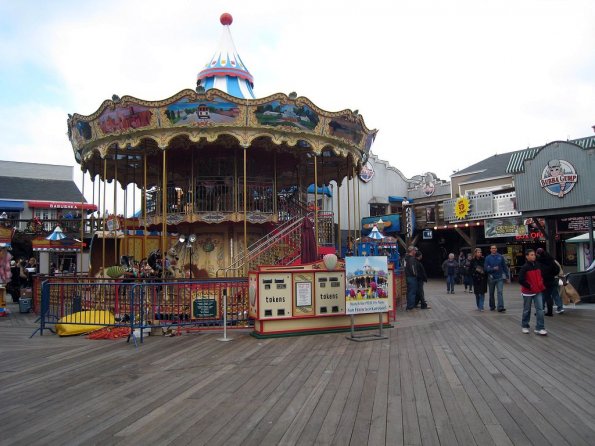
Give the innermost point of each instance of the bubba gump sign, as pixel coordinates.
(558, 178)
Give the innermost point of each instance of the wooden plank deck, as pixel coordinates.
(449, 375)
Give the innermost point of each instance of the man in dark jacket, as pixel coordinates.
(550, 271)
(497, 271)
(422, 277)
(532, 288)
(411, 269)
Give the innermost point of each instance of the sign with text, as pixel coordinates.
(504, 227)
(574, 224)
(366, 285)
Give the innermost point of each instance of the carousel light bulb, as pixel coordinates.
(192, 238)
(182, 238)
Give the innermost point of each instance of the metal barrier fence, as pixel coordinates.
(146, 305)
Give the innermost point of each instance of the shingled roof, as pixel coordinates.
(15, 188)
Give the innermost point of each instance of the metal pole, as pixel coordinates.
(316, 203)
(348, 209)
(245, 213)
(103, 222)
(591, 257)
(339, 220)
(82, 223)
(144, 198)
(163, 212)
(116, 207)
(225, 338)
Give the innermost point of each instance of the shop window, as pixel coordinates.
(46, 214)
(377, 209)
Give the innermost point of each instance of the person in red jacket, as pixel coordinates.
(532, 288)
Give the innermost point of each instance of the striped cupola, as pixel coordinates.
(226, 71)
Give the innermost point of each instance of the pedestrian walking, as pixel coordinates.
(422, 277)
(479, 278)
(497, 271)
(411, 269)
(532, 288)
(450, 267)
(467, 273)
(550, 272)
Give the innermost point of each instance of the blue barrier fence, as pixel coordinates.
(142, 305)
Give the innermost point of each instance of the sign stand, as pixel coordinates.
(225, 338)
(369, 337)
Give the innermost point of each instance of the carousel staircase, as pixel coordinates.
(282, 246)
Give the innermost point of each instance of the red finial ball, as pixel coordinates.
(226, 19)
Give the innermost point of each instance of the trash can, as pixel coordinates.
(24, 304)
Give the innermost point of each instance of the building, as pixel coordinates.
(34, 199)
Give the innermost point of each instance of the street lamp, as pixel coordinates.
(188, 242)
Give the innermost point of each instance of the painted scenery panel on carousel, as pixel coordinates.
(217, 111)
(123, 118)
(347, 130)
(275, 114)
(82, 131)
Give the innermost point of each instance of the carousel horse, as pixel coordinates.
(172, 269)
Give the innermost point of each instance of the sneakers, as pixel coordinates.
(541, 332)
(525, 330)
(560, 311)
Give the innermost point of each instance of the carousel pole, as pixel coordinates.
(275, 185)
(104, 220)
(164, 210)
(116, 206)
(316, 202)
(245, 212)
(144, 198)
(339, 218)
(359, 209)
(125, 215)
(355, 205)
(348, 210)
(82, 222)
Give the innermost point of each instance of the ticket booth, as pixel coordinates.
(305, 299)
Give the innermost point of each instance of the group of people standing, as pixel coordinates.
(538, 277)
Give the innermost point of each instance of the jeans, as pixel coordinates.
(538, 299)
(499, 284)
(450, 282)
(479, 299)
(420, 296)
(411, 292)
(551, 296)
(468, 281)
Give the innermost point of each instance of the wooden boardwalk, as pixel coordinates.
(449, 375)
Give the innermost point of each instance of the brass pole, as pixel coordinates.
(275, 185)
(116, 206)
(355, 205)
(82, 223)
(245, 212)
(144, 198)
(316, 202)
(340, 244)
(163, 211)
(359, 208)
(348, 208)
(103, 224)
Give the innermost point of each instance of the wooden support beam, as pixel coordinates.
(464, 236)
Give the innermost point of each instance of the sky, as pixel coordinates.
(446, 83)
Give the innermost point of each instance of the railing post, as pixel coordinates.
(225, 338)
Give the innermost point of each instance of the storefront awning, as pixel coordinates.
(399, 199)
(321, 190)
(10, 205)
(62, 205)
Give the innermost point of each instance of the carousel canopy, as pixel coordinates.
(226, 71)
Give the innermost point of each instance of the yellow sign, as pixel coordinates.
(462, 207)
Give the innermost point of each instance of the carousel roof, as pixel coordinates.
(226, 71)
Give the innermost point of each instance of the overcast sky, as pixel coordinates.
(447, 83)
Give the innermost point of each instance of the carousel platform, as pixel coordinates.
(447, 375)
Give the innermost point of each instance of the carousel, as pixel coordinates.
(219, 176)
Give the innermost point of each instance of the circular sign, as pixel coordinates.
(462, 207)
(558, 178)
(367, 172)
